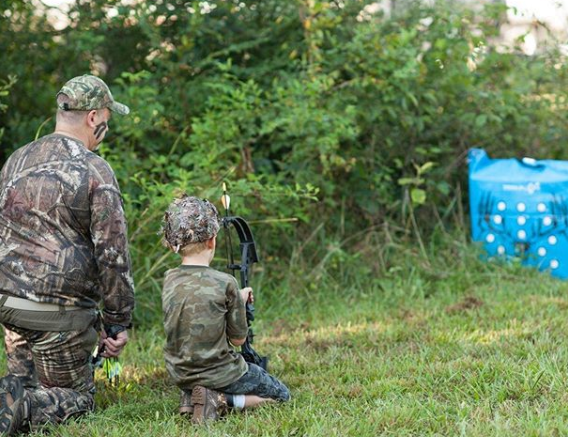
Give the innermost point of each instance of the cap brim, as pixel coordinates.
(119, 108)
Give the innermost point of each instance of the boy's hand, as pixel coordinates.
(247, 295)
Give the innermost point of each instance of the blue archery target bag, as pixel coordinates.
(519, 208)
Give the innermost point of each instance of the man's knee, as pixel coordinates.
(56, 405)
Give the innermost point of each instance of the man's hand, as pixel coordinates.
(113, 347)
(247, 295)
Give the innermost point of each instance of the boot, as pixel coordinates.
(208, 405)
(185, 403)
(12, 405)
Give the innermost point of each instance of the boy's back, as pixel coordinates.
(202, 309)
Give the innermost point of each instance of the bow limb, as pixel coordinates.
(248, 248)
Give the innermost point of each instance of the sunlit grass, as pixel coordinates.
(481, 351)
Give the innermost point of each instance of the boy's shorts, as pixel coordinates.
(258, 381)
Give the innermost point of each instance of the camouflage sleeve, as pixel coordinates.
(4, 172)
(3, 176)
(236, 314)
(110, 241)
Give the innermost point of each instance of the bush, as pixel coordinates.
(290, 102)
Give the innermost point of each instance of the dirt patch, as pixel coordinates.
(466, 304)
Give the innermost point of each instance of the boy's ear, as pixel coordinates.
(211, 242)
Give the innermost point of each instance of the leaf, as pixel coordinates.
(425, 167)
(406, 181)
(481, 120)
(418, 196)
(410, 181)
(443, 187)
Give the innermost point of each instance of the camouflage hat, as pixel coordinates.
(189, 220)
(89, 92)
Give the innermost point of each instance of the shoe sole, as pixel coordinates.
(198, 399)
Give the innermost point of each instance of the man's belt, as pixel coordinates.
(18, 303)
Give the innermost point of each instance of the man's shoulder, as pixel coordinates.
(53, 148)
(73, 147)
(48, 152)
(36, 145)
(99, 168)
(97, 162)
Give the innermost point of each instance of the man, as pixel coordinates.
(63, 249)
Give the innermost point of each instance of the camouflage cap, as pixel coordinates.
(189, 220)
(89, 92)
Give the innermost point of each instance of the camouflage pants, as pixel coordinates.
(258, 381)
(55, 370)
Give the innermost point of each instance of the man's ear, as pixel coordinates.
(91, 116)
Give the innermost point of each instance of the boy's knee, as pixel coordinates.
(284, 395)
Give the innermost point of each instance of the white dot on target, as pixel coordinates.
(541, 207)
(490, 238)
(521, 220)
(501, 206)
(552, 240)
(547, 221)
(498, 219)
(521, 235)
(554, 264)
(542, 251)
(501, 250)
(521, 207)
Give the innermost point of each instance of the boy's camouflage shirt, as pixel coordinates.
(203, 308)
(63, 236)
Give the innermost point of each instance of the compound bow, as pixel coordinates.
(248, 258)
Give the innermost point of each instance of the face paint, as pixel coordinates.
(100, 129)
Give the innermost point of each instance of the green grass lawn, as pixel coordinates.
(473, 352)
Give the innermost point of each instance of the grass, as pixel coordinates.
(443, 347)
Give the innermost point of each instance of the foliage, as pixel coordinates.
(289, 101)
(5, 86)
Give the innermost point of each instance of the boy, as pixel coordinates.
(204, 310)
